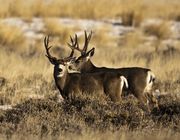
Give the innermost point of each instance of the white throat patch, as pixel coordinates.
(73, 71)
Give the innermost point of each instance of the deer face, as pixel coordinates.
(60, 65)
(61, 68)
(82, 60)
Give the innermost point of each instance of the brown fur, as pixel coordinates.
(136, 76)
(71, 84)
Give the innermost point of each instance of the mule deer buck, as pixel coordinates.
(70, 84)
(140, 80)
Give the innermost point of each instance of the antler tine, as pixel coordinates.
(72, 53)
(72, 41)
(77, 43)
(46, 44)
(72, 47)
(87, 39)
(74, 44)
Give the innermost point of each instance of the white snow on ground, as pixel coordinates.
(33, 29)
(175, 27)
(5, 107)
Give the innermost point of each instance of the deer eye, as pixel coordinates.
(70, 67)
(59, 70)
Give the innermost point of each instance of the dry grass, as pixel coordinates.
(102, 38)
(32, 8)
(33, 74)
(4, 10)
(166, 69)
(14, 65)
(84, 118)
(131, 18)
(160, 30)
(163, 9)
(55, 28)
(91, 8)
(131, 40)
(132, 13)
(11, 36)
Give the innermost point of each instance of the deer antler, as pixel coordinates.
(47, 47)
(87, 39)
(52, 59)
(75, 45)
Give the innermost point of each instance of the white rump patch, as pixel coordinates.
(149, 81)
(124, 81)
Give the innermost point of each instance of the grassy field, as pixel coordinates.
(29, 86)
(139, 9)
(90, 118)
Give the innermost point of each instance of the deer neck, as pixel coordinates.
(88, 67)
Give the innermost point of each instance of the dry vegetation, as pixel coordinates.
(92, 9)
(86, 118)
(101, 38)
(11, 36)
(28, 74)
(161, 31)
(55, 28)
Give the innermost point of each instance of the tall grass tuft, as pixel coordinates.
(54, 27)
(11, 36)
(131, 18)
(90, 9)
(160, 31)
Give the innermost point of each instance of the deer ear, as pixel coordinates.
(90, 53)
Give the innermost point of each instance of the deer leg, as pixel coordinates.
(153, 102)
(145, 102)
(117, 94)
(139, 94)
(113, 90)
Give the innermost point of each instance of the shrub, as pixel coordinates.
(131, 18)
(160, 30)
